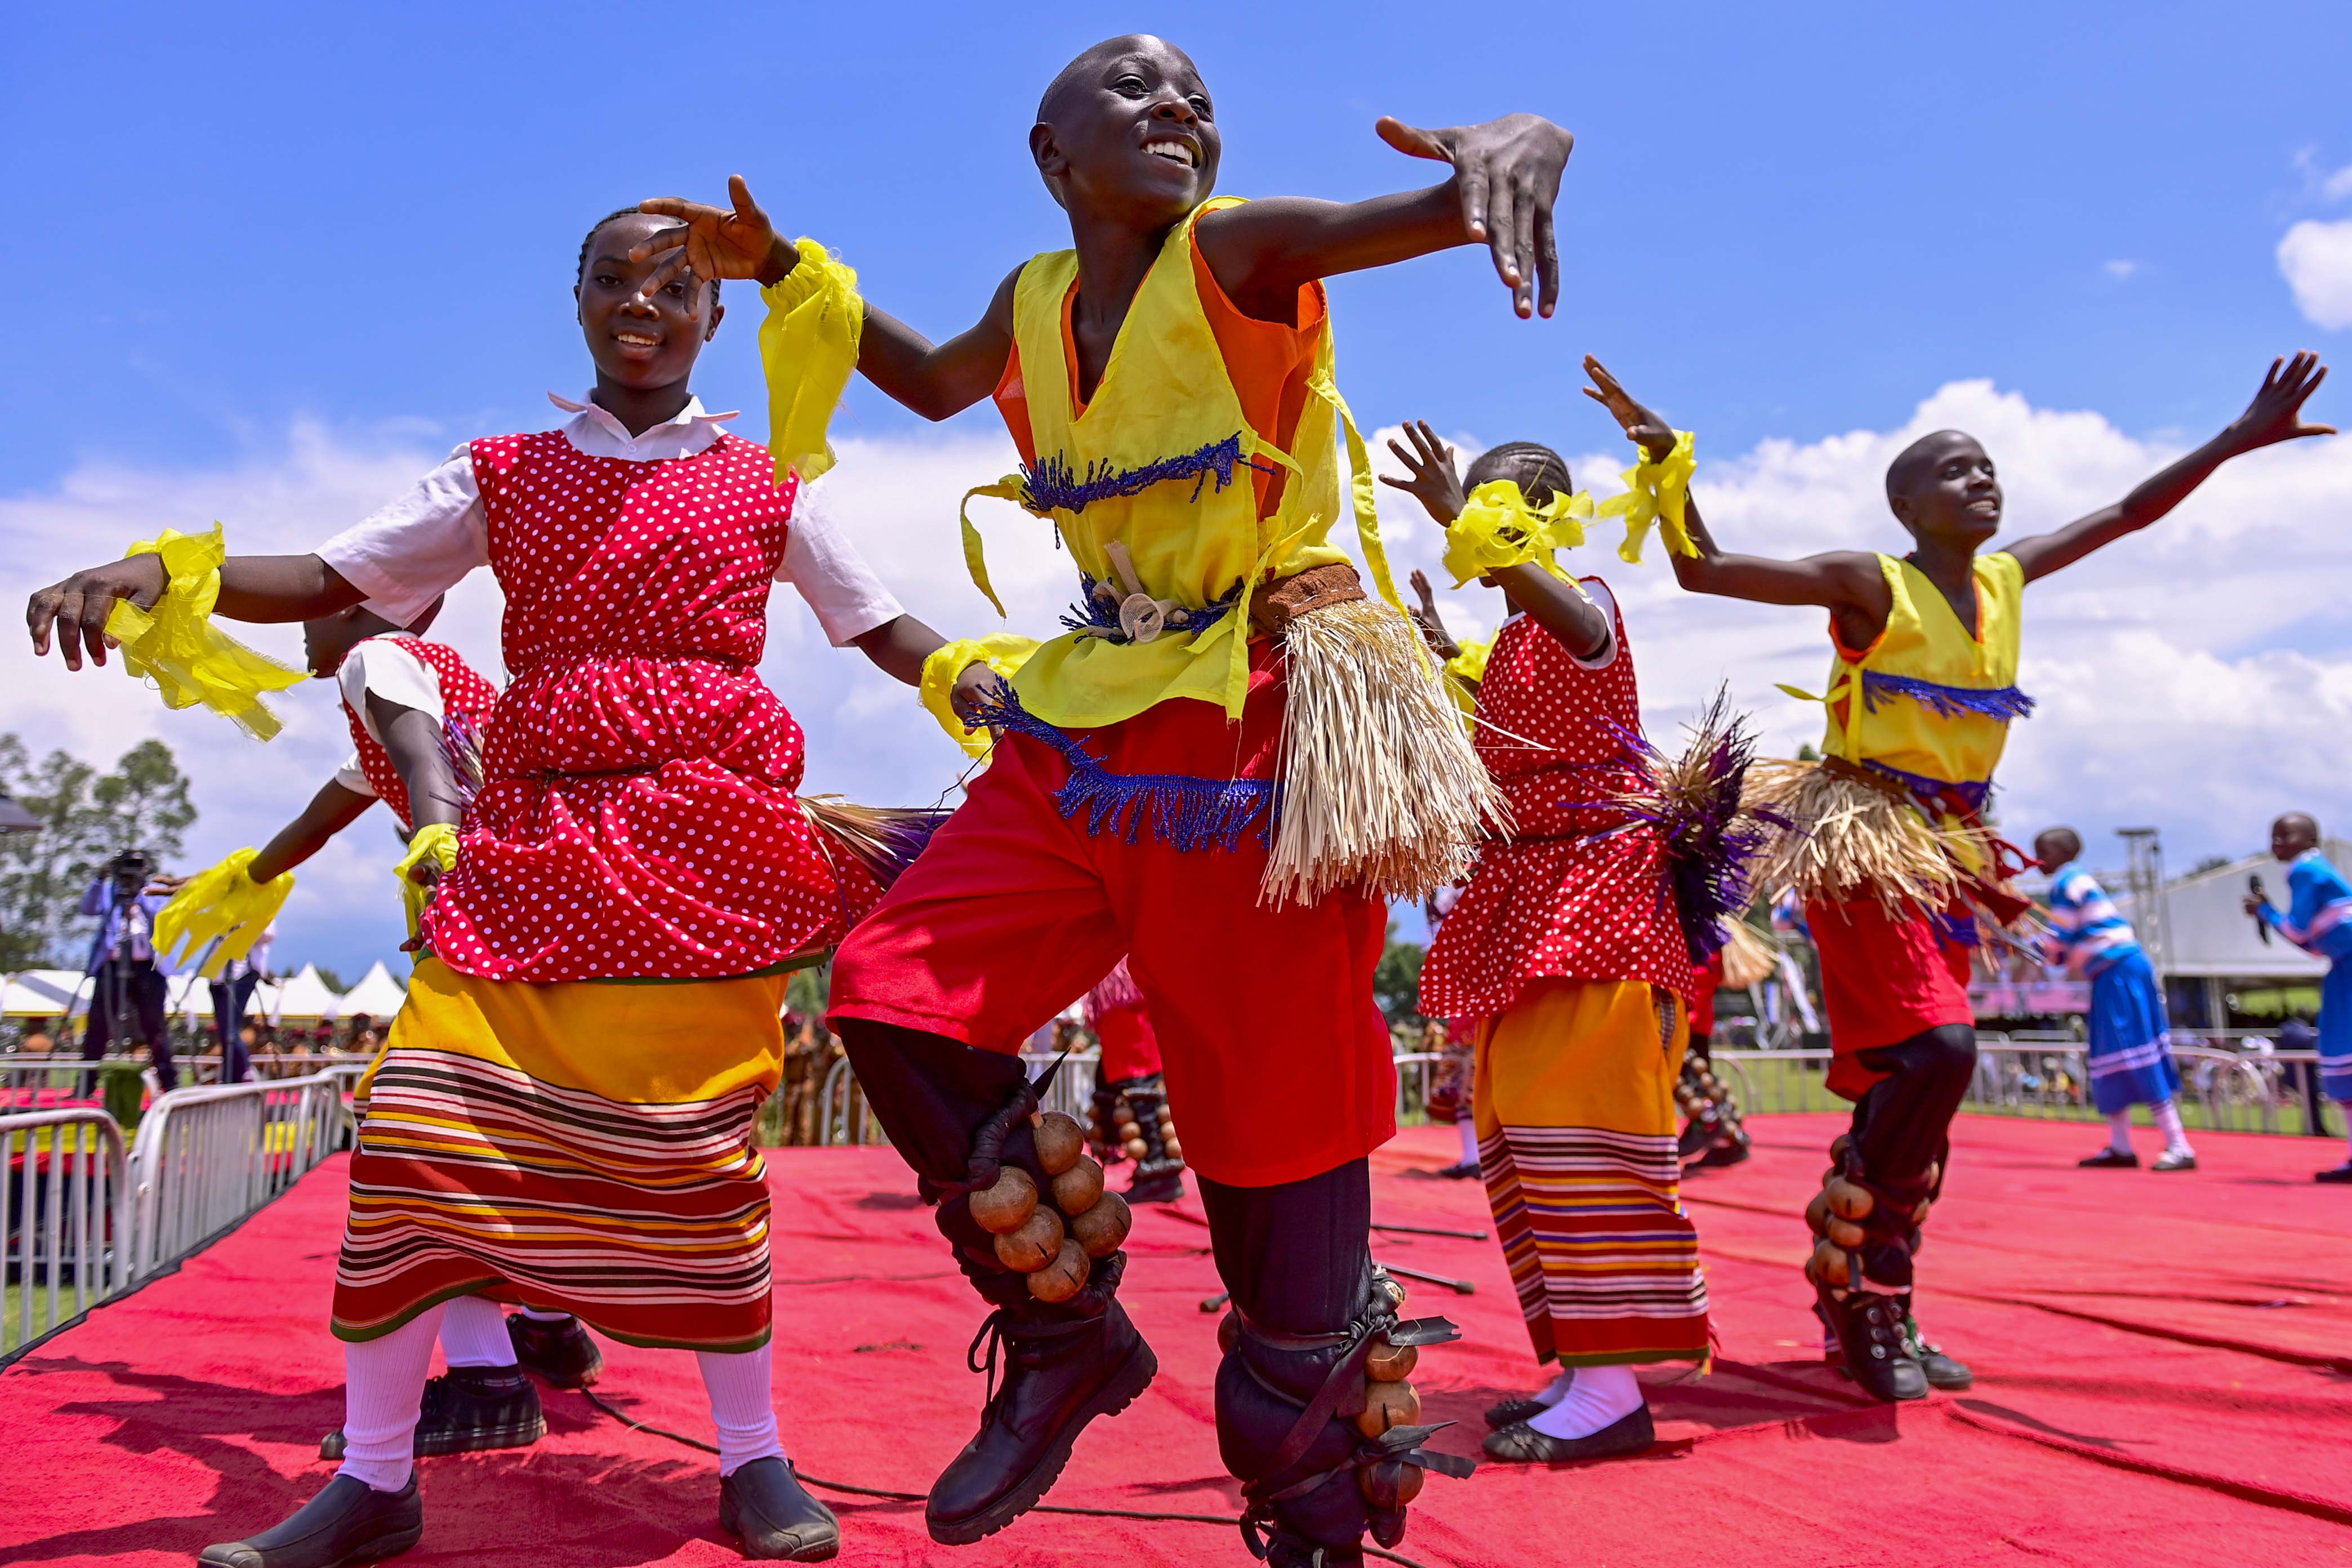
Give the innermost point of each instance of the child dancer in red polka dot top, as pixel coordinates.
(543, 1128)
(1567, 950)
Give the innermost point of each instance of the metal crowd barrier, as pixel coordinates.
(64, 1217)
(844, 1118)
(207, 1157)
(26, 1078)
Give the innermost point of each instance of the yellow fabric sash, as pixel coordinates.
(225, 906)
(1004, 652)
(1657, 491)
(1500, 528)
(808, 348)
(175, 645)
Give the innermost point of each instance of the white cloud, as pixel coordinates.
(2329, 185)
(2120, 269)
(2315, 260)
(2175, 684)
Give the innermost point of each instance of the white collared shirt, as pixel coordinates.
(424, 543)
(382, 667)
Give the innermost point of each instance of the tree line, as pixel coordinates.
(87, 817)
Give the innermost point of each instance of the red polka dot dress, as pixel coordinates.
(636, 817)
(466, 702)
(1564, 896)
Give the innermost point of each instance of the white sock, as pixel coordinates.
(384, 1383)
(2119, 1130)
(2168, 1120)
(1601, 1396)
(1557, 1389)
(1467, 1130)
(742, 1405)
(473, 1333)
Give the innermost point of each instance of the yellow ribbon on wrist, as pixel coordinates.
(175, 647)
(1657, 491)
(1500, 528)
(808, 348)
(1464, 670)
(1004, 652)
(223, 906)
(434, 845)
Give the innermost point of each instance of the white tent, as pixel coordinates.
(43, 993)
(377, 995)
(2208, 934)
(305, 996)
(189, 992)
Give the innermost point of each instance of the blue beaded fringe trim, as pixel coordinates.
(1189, 813)
(1946, 701)
(1054, 486)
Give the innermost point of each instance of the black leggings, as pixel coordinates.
(1901, 1127)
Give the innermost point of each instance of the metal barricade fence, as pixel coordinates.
(843, 1117)
(30, 1080)
(65, 1219)
(207, 1157)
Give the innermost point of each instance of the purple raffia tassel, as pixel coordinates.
(884, 839)
(1692, 804)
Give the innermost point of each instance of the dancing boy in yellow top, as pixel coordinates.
(1890, 852)
(1221, 772)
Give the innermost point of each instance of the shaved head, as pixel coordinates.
(1918, 460)
(1082, 69)
(2053, 846)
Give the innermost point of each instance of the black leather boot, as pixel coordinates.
(348, 1522)
(1061, 1368)
(1159, 1170)
(1877, 1352)
(1941, 1370)
(560, 1351)
(765, 1504)
(467, 1410)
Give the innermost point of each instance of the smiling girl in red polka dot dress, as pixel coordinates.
(545, 1128)
(1567, 950)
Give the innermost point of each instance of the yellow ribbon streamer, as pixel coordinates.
(1499, 527)
(1657, 491)
(1004, 652)
(975, 560)
(1470, 664)
(808, 345)
(223, 905)
(434, 845)
(174, 645)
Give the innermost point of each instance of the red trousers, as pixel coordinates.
(1883, 981)
(1278, 1062)
(1130, 1048)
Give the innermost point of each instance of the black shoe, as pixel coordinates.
(348, 1522)
(2336, 1176)
(2110, 1159)
(467, 1411)
(1058, 1376)
(763, 1503)
(2175, 1160)
(1463, 1172)
(1723, 1154)
(1523, 1445)
(1698, 1133)
(560, 1350)
(1511, 1411)
(1941, 1370)
(1870, 1331)
(1164, 1188)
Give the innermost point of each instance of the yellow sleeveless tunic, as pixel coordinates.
(1931, 699)
(1159, 465)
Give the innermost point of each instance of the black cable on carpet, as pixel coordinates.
(1229, 1520)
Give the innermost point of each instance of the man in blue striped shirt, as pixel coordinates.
(2318, 920)
(2131, 1041)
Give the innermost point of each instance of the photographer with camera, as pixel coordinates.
(127, 972)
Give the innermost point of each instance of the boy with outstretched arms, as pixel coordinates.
(1167, 789)
(1890, 851)
(2318, 920)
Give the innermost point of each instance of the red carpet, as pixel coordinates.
(2162, 1378)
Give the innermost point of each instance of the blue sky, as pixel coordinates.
(279, 252)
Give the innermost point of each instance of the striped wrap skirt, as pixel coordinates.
(583, 1147)
(1574, 1099)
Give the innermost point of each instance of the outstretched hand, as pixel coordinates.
(718, 242)
(1431, 462)
(2277, 413)
(78, 608)
(1433, 625)
(1645, 428)
(1506, 173)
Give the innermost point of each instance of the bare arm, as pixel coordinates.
(420, 756)
(899, 647)
(1432, 626)
(1561, 608)
(1505, 179)
(1846, 582)
(261, 588)
(332, 810)
(2276, 415)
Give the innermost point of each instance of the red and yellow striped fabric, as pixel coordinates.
(1575, 1109)
(578, 1147)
